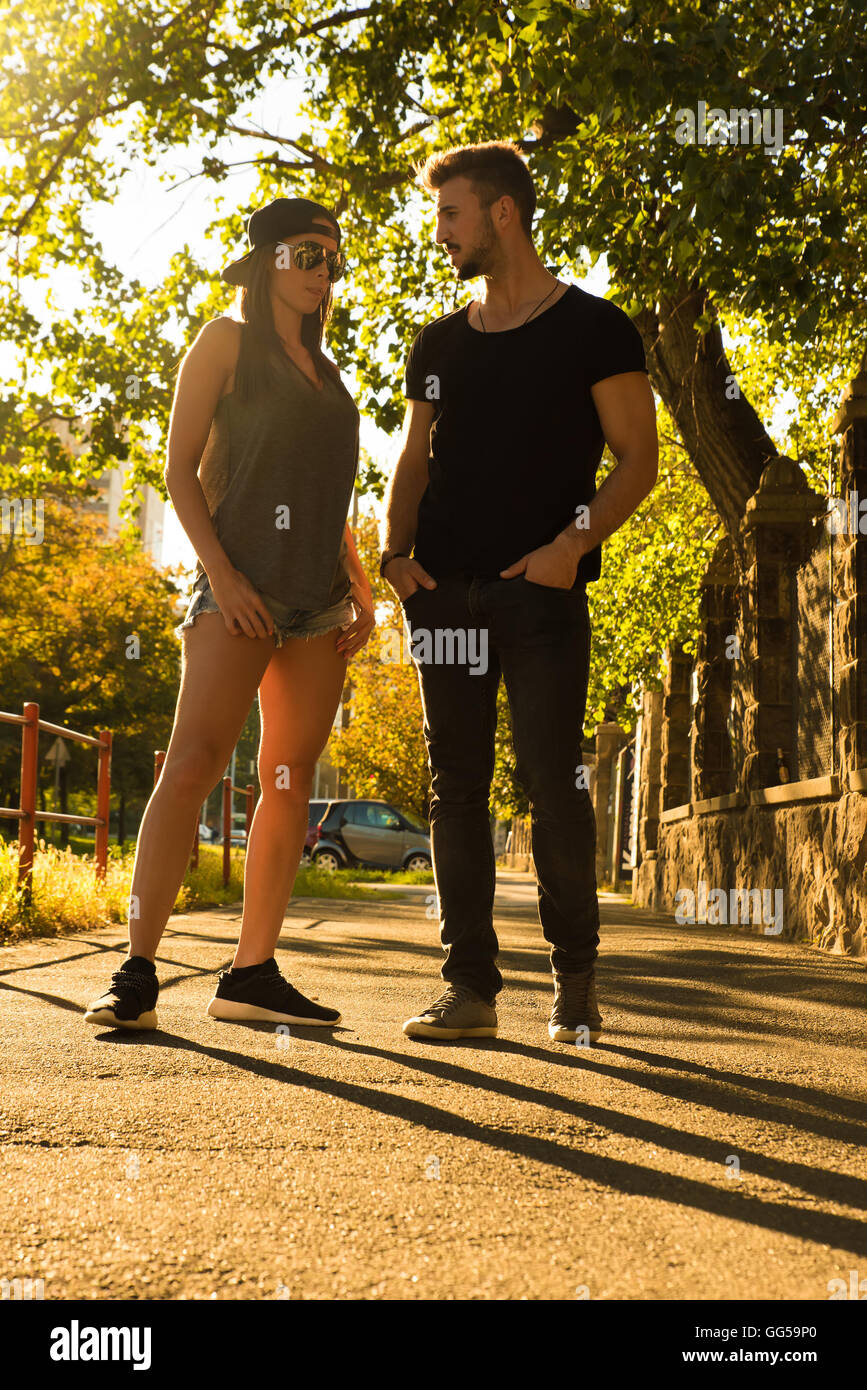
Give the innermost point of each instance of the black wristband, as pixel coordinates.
(387, 556)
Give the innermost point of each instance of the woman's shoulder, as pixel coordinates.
(223, 326)
(217, 346)
(219, 339)
(222, 330)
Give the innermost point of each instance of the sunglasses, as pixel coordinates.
(306, 255)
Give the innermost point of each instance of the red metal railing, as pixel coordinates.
(27, 815)
(248, 792)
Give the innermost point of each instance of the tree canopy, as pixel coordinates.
(731, 232)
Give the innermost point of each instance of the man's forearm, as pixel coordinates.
(405, 491)
(624, 489)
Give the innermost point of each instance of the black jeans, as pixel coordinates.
(538, 638)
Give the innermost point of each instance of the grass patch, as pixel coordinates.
(384, 875)
(68, 897)
(319, 883)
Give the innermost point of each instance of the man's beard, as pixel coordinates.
(479, 260)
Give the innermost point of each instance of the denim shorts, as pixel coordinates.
(288, 622)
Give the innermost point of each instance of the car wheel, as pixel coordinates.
(327, 860)
(418, 864)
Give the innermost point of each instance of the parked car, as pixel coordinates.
(316, 812)
(370, 835)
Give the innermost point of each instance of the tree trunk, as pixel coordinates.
(724, 437)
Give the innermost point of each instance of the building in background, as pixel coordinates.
(110, 485)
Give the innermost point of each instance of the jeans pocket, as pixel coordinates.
(546, 588)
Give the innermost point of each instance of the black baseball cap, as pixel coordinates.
(282, 218)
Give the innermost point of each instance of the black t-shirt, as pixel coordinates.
(515, 441)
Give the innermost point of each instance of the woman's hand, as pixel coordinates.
(351, 639)
(240, 603)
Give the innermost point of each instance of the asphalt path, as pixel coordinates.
(710, 1146)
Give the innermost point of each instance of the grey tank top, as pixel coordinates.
(277, 476)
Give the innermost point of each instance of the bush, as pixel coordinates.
(66, 895)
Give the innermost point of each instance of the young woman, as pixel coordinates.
(262, 456)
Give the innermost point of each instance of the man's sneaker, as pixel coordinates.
(131, 1000)
(265, 997)
(458, 1013)
(575, 1007)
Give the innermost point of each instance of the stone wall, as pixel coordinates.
(777, 795)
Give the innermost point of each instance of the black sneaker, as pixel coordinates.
(575, 1007)
(458, 1013)
(130, 1003)
(265, 997)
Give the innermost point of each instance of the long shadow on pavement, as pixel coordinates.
(842, 1232)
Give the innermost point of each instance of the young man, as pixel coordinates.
(510, 401)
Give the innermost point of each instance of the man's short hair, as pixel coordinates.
(494, 168)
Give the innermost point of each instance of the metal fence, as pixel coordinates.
(26, 813)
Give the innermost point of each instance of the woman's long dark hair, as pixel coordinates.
(262, 356)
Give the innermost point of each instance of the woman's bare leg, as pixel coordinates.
(219, 678)
(298, 697)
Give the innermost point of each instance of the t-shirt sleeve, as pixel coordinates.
(617, 344)
(414, 373)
